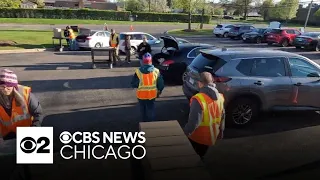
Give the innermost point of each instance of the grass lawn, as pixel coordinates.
(72, 21)
(182, 32)
(27, 39)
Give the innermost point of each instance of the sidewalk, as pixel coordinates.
(265, 155)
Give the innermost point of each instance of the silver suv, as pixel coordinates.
(254, 80)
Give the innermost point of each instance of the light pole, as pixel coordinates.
(310, 6)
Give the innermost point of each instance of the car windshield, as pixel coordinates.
(312, 34)
(88, 34)
(219, 26)
(261, 30)
(276, 31)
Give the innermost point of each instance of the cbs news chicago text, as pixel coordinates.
(35, 145)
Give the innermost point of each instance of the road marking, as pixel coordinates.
(62, 68)
(66, 85)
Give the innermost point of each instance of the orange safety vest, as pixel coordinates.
(147, 89)
(20, 116)
(209, 128)
(71, 34)
(113, 41)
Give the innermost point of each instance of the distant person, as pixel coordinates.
(127, 47)
(18, 106)
(143, 48)
(206, 117)
(72, 39)
(67, 34)
(149, 83)
(114, 42)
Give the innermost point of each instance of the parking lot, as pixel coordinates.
(76, 97)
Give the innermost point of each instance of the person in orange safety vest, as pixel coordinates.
(18, 106)
(206, 117)
(149, 83)
(114, 42)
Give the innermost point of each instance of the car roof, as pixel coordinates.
(236, 53)
(133, 33)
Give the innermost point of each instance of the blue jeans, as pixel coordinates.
(73, 45)
(147, 108)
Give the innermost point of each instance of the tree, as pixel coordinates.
(39, 3)
(241, 7)
(158, 5)
(266, 8)
(136, 5)
(10, 3)
(317, 13)
(218, 11)
(285, 9)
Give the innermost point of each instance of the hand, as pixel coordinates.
(220, 136)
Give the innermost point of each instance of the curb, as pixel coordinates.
(24, 51)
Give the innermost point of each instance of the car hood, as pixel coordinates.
(306, 37)
(252, 33)
(170, 41)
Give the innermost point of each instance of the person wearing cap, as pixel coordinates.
(18, 106)
(206, 121)
(114, 43)
(149, 83)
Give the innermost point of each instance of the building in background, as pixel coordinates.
(28, 5)
(78, 4)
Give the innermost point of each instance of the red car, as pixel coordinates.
(283, 37)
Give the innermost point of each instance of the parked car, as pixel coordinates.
(283, 36)
(237, 31)
(135, 40)
(157, 46)
(174, 58)
(257, 36)
(310, 40)
(222, 30)
(254, 80)
(93, 38)
(228, 17)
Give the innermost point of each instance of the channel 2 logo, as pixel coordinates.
(34, 145)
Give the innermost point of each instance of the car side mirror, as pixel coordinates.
(314, 74)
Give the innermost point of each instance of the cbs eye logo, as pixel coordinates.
(29, 145)
(65, 137)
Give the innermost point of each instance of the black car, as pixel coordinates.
(174, 58)
(310, 40)
(238, 30)
(157, 46)
(257, 36)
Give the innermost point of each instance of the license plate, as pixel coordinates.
(191, 80)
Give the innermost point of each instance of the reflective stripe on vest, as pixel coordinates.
(20, 116)
(114, 40)
(147, 84)
(209, 129)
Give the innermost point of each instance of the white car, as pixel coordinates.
(222, 30)
(135, 40)
(93, 38)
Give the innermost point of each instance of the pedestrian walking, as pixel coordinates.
(206, 121)
(114, 42)
(149, 83)
(72, 39)
(18, 106)
(143, 48)
(128, 48)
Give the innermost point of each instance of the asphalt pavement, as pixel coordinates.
(78, 98)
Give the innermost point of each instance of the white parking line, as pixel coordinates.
(62, 68)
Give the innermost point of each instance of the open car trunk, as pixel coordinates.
(170, 42)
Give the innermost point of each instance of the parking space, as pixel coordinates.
(76, 97)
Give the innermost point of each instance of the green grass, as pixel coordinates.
(72, 21)
(195, 32)
(27, 39)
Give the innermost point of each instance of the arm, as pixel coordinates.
(148, 49)
(117, 40)
(135, 81)
(222, 123)
(35, 110)
(160, 83)
(195, 118)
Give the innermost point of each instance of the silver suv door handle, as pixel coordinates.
(258, 83)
